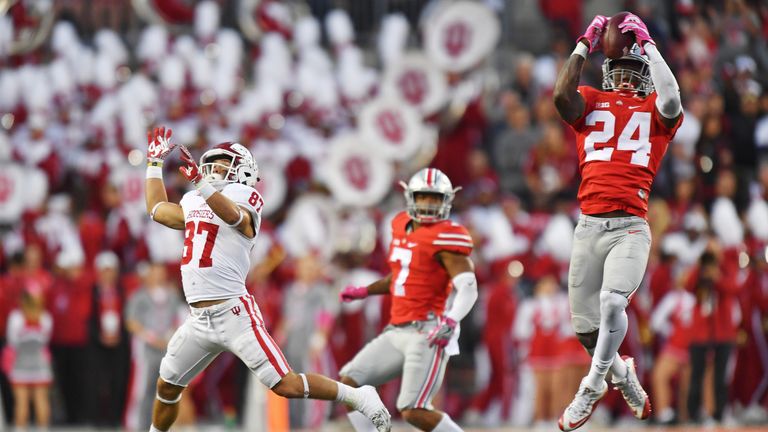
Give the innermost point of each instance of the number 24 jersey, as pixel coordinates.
(621, 141)
(216, 257)
(420, 284)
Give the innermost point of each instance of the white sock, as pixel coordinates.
(360, 422)
(446, 425)
(613, 327)
(618, 369)
(154, 429)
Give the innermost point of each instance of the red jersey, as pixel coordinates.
(621, 140)
(420, 284)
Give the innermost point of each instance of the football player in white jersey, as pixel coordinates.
(221, 219)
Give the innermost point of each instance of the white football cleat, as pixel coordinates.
(368, 402)
(633, 392)
(580, 409)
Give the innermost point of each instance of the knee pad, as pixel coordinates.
(612, 303)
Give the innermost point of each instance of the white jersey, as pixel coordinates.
(216, 257)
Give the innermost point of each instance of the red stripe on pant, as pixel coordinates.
(261, 341)
(266, 333)
(422, 399)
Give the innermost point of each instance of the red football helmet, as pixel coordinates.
(242, 167)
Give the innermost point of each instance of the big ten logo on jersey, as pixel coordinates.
(634, 137)
(457, 38)
(413, 85)
(356, 170)
(391, 125)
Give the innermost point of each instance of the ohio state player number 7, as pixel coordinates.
(211, 231)
(639, 123)
(403, 256)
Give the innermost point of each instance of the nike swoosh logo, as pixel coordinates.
(410, 245)
(572, 425)
(634, 231)
(613, 331)
(635, 107)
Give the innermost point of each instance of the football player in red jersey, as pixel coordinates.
(622, 134)
(428, 255)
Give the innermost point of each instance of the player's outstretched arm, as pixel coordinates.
(568, 101)
(226, 209)
(379, 287)
(159, 209)
(668, 102)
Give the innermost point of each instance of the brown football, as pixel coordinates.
(613, 42)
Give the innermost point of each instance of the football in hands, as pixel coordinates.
(614, 43)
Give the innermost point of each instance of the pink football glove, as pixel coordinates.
(632, 23)
(350, 293)
(441, 334)
(593, 32)
(190, 170)
(159, 145)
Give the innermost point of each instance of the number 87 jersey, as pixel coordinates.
(420, 284)
(216, 256)
(621, 141)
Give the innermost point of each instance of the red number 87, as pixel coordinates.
(256, 201)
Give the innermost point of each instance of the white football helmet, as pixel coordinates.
(617, 76)
(242, 168)
(429, 181)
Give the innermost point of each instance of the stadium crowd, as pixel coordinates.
(90, 288)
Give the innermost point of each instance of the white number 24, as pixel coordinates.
(640, 122)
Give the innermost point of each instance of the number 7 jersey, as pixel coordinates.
(420, 284)
(216, 257)
(621, 141)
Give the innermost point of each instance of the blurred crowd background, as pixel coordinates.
(338, 100)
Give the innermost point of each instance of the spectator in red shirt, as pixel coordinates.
(500, 316)
(713, 328)
(11, 284)
(69, 303)
(750, 384)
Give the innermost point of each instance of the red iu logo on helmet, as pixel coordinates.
(456, 38)
(391, 125)
(236, 310)
(356, 169)
(413, 85)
